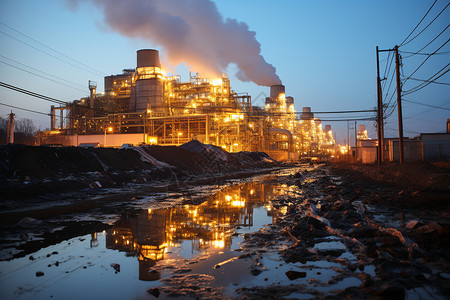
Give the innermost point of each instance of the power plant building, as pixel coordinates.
(144, 105)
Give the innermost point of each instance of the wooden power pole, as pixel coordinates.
(399, 105)
(380, 126)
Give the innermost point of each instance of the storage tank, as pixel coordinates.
(149, 86)
(307, 114)
(289, 101)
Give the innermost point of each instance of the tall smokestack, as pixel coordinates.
(10, 129)
(193, 32)
(149, 90)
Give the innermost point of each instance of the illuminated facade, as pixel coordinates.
(144, 105)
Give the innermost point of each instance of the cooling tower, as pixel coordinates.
(289, 101)
(149, 87)
(276, 91)
(307, 114)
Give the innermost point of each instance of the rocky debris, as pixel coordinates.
(116, 267)
(333, 213)
(155, 292)
(39, 273)
(292, 275)
(192, 286)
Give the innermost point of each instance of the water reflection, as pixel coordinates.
(208, 226)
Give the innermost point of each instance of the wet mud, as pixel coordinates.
(311, 232)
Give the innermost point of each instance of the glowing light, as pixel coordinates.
(219, 244)
(237, 203)
(217, 82)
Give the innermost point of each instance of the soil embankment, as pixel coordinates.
(30, 176)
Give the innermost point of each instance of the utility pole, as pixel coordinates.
(380, 126)
(10, 129)
(348, 142)
(356, 144)
(399, 105)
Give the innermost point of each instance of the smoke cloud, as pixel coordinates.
(193, 32)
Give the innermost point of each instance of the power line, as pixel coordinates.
(40, 76)
(418, 23)
(425, 111)
(50, 54)
(341, 112)
(417, 52)
(353, 119)
(46, 98)
(423, 80)
(424, 104)
(66, 56)
(30, 110)
(22, 64)
(428, 81)
(427, 25)
(430, 55)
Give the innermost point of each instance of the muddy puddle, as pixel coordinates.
(225, 244)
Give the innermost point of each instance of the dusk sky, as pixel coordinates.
(323, 52)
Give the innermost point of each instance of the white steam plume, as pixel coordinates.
(194, 32)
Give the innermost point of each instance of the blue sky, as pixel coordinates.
(324, 53)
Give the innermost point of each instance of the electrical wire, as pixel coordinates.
(429, 43)
(428, 81)
(423, 80)
(425, 111)
(424, 104)
(430, 55)
(26, 109)
(41, 76)
(418, 23)
(22, 64)
(404, 44)
(51, 55)
(417, 53)
(60, 53)
(46, 98)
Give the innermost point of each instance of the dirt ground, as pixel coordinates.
(410, 185)
(394, 218)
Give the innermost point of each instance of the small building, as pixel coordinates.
(436, 146)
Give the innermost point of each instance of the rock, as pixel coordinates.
(155, 292)
(392, 292)
(294, 275)
(412, 224)
(39, 274)
(26, 220)
(431, 227)
(116, 267)
(244, 255)
(255, 272)
(31, 257)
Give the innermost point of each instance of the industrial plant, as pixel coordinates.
(146, 106)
